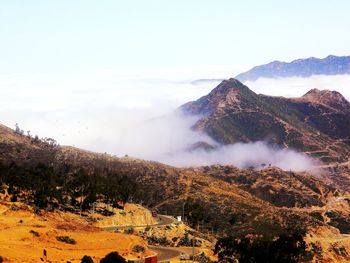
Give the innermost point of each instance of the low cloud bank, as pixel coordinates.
(298, 86)
(168, 139)
(245, 155)
(120, 115)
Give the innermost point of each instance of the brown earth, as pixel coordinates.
(229, 200)
(24, 235)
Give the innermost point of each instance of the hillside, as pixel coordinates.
(223, 192)
(215, 199)
(317, 123)
(331, 65)
(25, 234)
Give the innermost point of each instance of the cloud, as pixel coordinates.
(135, 114)
(93, 110)
(245, 155)
(167, 139)
(298, 86)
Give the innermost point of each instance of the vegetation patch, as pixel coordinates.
(66, 239)
(113, 257)
(138, 249)
(34, 233)
(87, 259)
(284, 248)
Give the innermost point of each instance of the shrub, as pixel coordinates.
(113, 257)
(138, 249)
(202, 258)
(87, 259)
(153, 240)
(129, 231)
(66, 239)
(186, 241)
(34, 233)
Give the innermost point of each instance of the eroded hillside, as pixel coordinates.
(215, 199)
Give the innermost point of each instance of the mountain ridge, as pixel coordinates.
(317, 123)
(219, 199)
(166, 188)
(330, 65)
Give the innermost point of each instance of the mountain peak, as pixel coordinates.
(233, 113)
(229, 94)
(327, 97)
(229, 86)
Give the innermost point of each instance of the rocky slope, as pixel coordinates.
(331, 65)
(317, 123)
(215, 198)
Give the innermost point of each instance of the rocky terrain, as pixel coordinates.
(331, 65)
(235, 201)
(317, 123)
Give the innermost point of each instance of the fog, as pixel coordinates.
(297, 86)
(136, 114)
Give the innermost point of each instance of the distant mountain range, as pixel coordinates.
(331, 65)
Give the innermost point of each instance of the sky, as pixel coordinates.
(80, 36)
(94, 73)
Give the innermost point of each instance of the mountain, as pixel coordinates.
(219, 199)
(317, 123)
(222, 191)
(331, 65)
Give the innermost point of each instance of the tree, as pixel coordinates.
(195, 212)
(17, 129)
(113, 257)
(87, 259)
(285, 248)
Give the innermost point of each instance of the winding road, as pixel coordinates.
(163, 253)
(167, 254)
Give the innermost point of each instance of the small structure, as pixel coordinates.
(152, 259)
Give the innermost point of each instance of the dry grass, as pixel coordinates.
(24, 235)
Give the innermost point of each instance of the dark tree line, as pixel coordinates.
(194, 212)
(287, 248)
(48, 186)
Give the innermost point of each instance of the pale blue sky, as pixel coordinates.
(76, 36)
